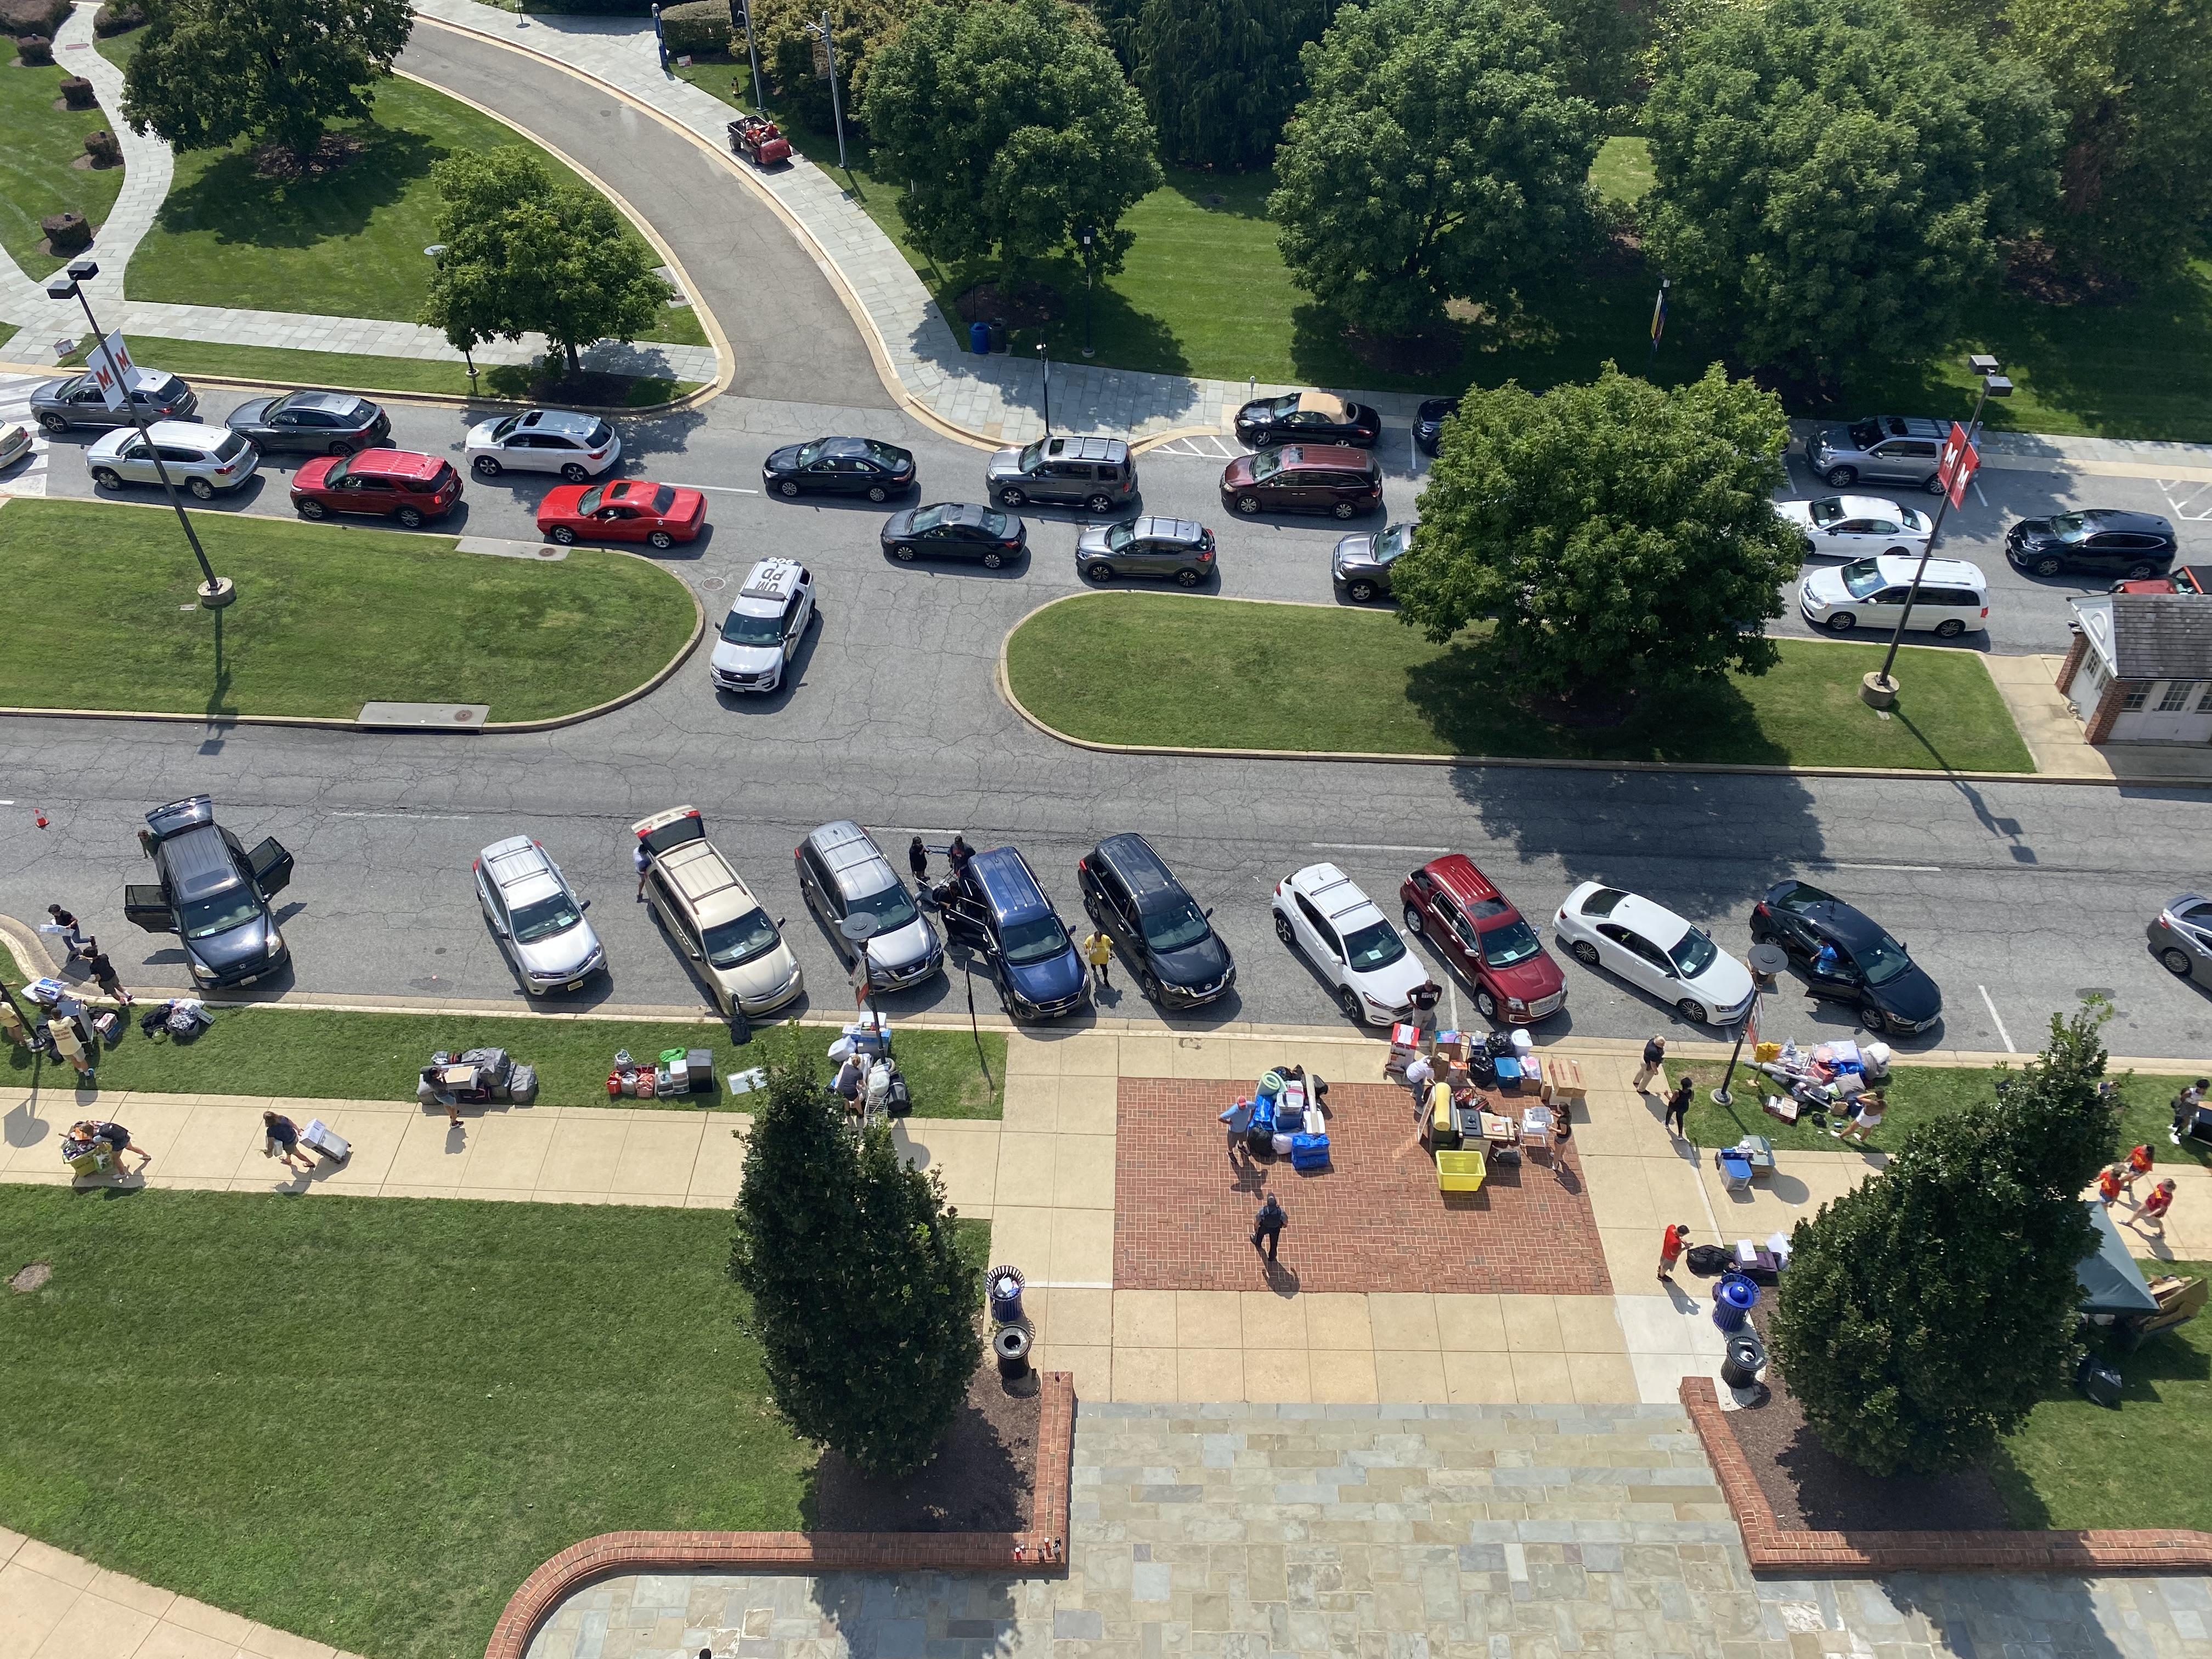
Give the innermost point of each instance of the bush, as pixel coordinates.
(119, 17)
(695, 26)
(103, 148)
(25, 17)
(66, 233)
(77, 93)
(35, 49)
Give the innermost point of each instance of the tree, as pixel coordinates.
(1622, 535)
(208, 72)
(1009, 128)
(1437, 156)
(524, 253)
(786, 50)
(1221, 77)
(863, 1307)
(1833, 177)
(1926, 1312)
(1598, 42)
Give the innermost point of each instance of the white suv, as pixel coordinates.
(762, 633)
(577, 447)
(1321, 912)
(1870, 594)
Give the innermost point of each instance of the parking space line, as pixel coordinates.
(1898, 869)
(722, 489)
(1372, 847)
(1997, 1019)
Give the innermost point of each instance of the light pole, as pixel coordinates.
(828, 58)
(1044, 366)
(859, 928)
(742, 15)
(216, 591)
(1879, 690)
(1766, 960)
(1089, 236)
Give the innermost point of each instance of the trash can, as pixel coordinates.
(1741, 1363)
(979, 338)
(1733, 1296)
(1005, 1285)
(1011, 1343)
(998, 334)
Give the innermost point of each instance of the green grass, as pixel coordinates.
(7, 333)
(1163, 669)
(1622, 171)
(347, 244)
(2148, 1464)
(320, 1054)
(327, 618)
(366, 1421)
(38, 144)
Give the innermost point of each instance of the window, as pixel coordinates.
(2205, 703)
(2135, 699)
(2177, 696)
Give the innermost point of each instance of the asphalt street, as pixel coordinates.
(2017, 898)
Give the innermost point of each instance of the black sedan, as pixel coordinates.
(1845, 956)
(316, 422)
(1309, 418)
(2104, 542)
(955, 530)
(840, 466)
(1429, 421)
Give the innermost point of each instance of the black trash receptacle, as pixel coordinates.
(1741, 1363)
(1011, 1343)
(998, 334)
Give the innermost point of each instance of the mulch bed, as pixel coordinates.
(1030, 306)
(982, 1479)
(333, 151)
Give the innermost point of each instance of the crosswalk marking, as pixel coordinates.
(1204, 448)
(2187, 500)
(26, 477)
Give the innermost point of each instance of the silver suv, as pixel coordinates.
(538, 920)
(1882, 448)
(1094, 473)
(844, 873)
(201, 459)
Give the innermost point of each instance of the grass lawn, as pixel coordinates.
(366, 1421)
(1096, 667)
(1622, 171)
(319, 1054)
(349, 244)
(327, 618)
(38, 143)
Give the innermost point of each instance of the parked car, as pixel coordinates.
(1095, 473)
(1303, 478)
(955, 530)
(1477, 929)
(1852, 526)
(16, 443)
(998, 908)
(1311, 417)
(579, 447)
(395, 484)
(2181, 937)
(841, 466)
(1429, 422)
(626, 510)
(1655, 950)
(57, 406)
(1870, 593)
(1360, 566)
(320, 422)
(1172, 550)
(843, 873)
(203, 459)
(1882, 449)
(701, 902)
(2100, 541)
(1867, 967)
(767, 619)
(536, 918)
(1320, 912)
(1159, 929)
(213, 895)
(2193, 578)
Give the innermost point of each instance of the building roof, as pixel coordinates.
(2149, 636)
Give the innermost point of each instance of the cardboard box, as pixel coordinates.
(1564, 1079)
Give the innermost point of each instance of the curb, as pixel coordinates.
(1003, 1555)
(1775, 1548)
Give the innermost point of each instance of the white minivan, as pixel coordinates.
(1870, 594)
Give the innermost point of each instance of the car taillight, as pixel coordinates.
(599, 454)
(1985, 613)
(1205, 556)
(1761, 910)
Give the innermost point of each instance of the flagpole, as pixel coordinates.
(1658, 324)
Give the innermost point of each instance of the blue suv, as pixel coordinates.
(998, 908)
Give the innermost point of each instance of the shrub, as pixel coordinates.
(695, 26)
(119, 17)
(34, 50)
(66, 233)
(26, 17)
(103, 148)
(77, 93)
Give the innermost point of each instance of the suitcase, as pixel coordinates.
(319, 1137)
(1308, 1152)
(2099, 1382)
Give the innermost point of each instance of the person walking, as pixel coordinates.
(643, 860)
(1866, 1117)
(2185, 1109)
(104, 975)
(2108, 1184)
(283, 1138)
(1268, 1225)
(65, 924)
(1098, 952)
(1678, 1107)
(2138, 1165)
(1420, 1074)
(917, 859)
(2155, 1206)
(1672, 1243)
(119, 1140)
(1654, 1055)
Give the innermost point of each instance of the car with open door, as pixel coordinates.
(701, 902)
(1845, 956)
(213, 893)
(999, 908)
(1478, 930)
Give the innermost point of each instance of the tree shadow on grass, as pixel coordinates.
(240, 206)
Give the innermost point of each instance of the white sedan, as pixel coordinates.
(1320, 912)
(1853, 526)
(1655, 950)
(577, 447)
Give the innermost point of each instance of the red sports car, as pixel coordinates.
(1475, 928)
(623, 510)
(395, 484)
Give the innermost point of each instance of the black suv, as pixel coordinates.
(2103, 541)
(1846, 956)
(212, 894)
(1179, 960)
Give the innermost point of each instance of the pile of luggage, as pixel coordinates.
(182, 1017)
(677, 1072)
(476, 1076)
(1822, 1080)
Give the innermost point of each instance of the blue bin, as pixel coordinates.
(1733, 1297)
(1006, 1292)
(979, 338)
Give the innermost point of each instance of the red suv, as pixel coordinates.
(1303, 478)
(1475, 928)
(395, 484)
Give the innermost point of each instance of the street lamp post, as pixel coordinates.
(857, 929)
(1767, 960)
(1090, 238)
(822, 38)
(743, 16)
(1878, 689)
(216, 591)
(1044, 365)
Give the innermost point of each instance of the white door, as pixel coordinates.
(2177, 711)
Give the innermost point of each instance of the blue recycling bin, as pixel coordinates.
(979, 338)
(1733, 1299)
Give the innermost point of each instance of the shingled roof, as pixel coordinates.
(2150, 636)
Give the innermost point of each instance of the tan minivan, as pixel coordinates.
(704, 905)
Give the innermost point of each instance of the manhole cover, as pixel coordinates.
(32, 1276)
(715, 584)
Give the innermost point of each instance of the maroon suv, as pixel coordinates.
(1303, 478)
(1475, 928)
(396, 484)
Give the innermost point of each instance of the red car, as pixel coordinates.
(622, 510)
(1475, 928)
(394, 483)
(2183, 578)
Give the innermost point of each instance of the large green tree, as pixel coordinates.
(1221, 77)
(1438, 155)
(1833, 178)
(1925, 1312)
(1599, 41)
(1621, 536)
(1009, 128)
(863, 1307)
(525, 253)
(208, 72)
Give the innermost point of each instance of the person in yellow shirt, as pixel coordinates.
(1098, 952)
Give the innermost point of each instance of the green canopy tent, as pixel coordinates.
(2113, 1284)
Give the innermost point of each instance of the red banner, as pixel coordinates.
(1961, 460)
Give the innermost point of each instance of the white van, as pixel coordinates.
(1870, 594)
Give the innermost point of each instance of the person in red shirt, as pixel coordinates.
(2155, 1206)
(1675, 1240)
(2139, 1163)
(2108, 1183)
